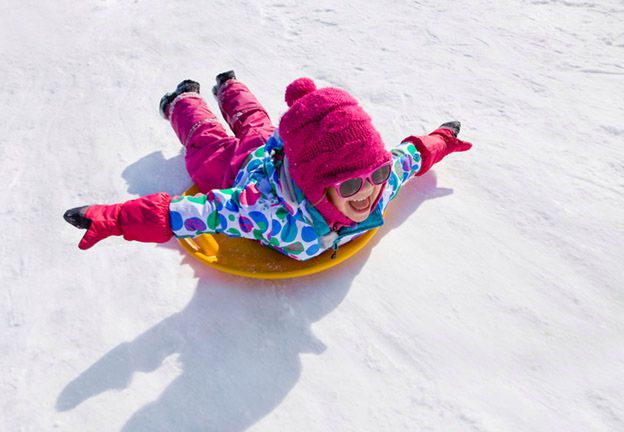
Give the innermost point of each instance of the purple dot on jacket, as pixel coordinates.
(245, 224)
(195, 224)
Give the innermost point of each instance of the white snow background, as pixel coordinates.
(492, 300)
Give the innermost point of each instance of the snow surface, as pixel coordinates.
(492, 300)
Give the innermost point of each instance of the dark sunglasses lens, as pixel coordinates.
(381, 175)
(350, 187)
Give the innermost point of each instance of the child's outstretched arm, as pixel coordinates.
(236, 212)
(144, 219)
(417, 154)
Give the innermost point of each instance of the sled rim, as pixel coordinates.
(212, 261)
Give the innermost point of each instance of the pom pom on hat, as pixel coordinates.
(298, 89)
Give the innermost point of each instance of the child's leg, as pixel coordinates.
(209, 149)
(247, 118)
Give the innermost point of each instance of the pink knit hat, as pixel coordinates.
(327, 138)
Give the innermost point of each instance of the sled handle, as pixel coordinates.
(206, 250)
(208, 245)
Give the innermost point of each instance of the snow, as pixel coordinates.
(491, 300)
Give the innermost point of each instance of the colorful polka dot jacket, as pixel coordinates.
(266, 205)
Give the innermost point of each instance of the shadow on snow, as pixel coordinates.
(238, 341)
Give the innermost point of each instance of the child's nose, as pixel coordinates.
(367, 186)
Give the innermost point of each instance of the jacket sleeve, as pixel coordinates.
(235, 212)
(244, 212)
(406, 164)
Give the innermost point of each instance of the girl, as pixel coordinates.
(320, 179)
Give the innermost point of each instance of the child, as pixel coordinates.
(320, 179)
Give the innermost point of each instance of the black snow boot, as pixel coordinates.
(186, 86)
(453, 126)
(221, 79)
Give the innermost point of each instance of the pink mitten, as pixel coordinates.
(143, 219)
(438, 144)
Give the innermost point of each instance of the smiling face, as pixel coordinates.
(356, 207)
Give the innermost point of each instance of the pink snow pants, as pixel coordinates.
(213, 157)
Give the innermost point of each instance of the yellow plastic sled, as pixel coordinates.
(248, 258)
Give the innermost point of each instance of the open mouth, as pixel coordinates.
(360, 206)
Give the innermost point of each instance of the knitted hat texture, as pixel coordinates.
(328, 138)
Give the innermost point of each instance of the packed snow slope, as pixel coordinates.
(492, 299)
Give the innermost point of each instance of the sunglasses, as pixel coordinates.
(350, 187)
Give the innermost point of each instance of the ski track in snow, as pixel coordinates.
(491, 300)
